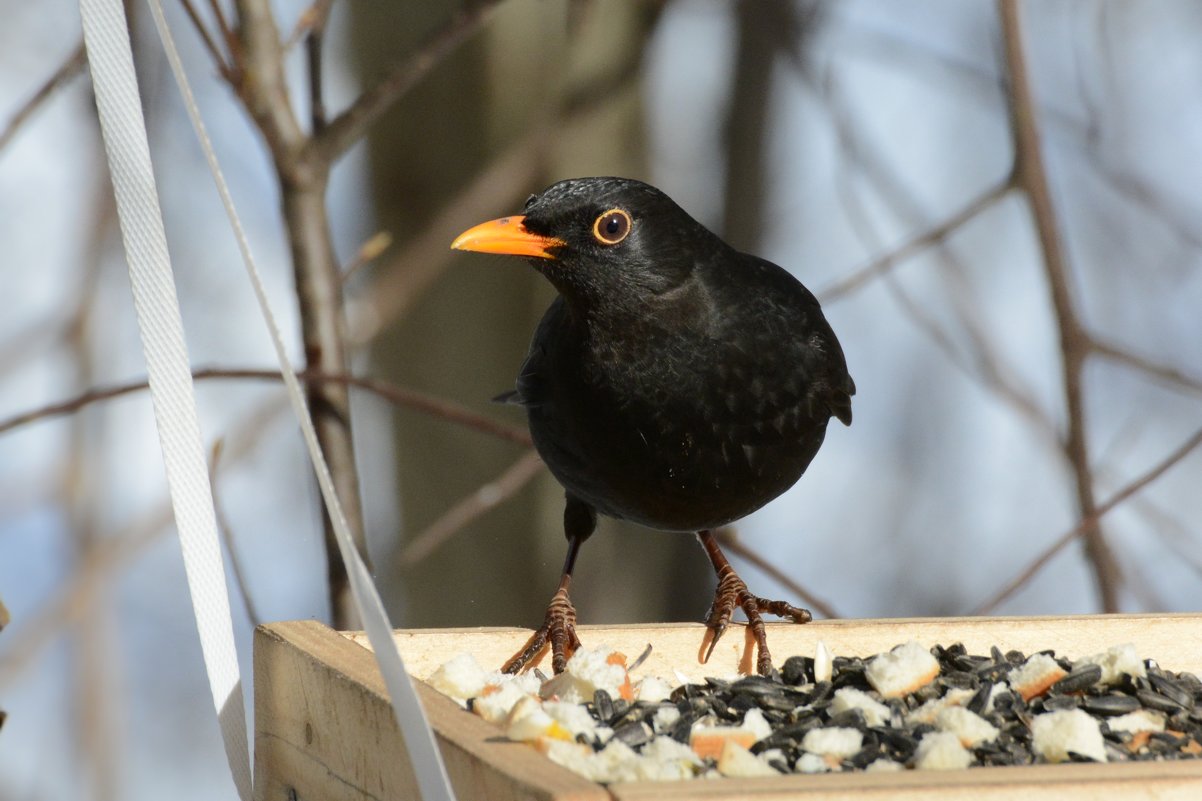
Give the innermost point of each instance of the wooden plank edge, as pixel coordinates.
(481, 762)
(1175, 640)
(1076, 782)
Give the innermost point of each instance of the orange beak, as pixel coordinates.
(508, 236)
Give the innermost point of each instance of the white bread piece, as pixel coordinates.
(929, 712)
(1054, 734)
(905, 669)
(875, 713)
(811, 763)
(653, 689)
(968, 726)
(941, 750)
(1137, 721)
(1116, 662)
(833, 741)
(460, 678)
(496, 701)
(589, 670)
(528, 722)
(737, 761)
(1035, 676)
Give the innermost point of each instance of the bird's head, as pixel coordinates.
(601, 241)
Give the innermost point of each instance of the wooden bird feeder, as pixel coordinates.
(324, 729)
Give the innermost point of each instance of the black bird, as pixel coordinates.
(675, 382)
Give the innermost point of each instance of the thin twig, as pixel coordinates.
(207, 39)
(729, 539)
(982, 363)
(313, 17)
(472, 506)
(66, 71)
(317, 105)
(399, 396)
(223, 25)
(932, 236)
(1087, 524)
(227, 536)
(346, 129)
(368, 252)
(1031, 176)
(1161, 372)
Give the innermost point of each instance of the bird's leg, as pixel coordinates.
(559, 625)
(733, 592)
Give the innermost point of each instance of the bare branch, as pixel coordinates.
(263, 86)
(1088, 524)
(729, 539)
(932, 236)
(317, 105)
(1161, 372)
(428, 404)
(312, 18)
(467, 509)
(223, 24)
(206, 38)
(345, 129)
(66, 71)
(1031, 176)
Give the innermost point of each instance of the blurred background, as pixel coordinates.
(1022, 324)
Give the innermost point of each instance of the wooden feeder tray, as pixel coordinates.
(324, 729)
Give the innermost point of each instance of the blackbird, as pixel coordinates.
(675, 382)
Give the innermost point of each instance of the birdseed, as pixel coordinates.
(790, 723)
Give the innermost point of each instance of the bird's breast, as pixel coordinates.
(668, 431)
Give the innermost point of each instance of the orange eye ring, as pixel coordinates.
(612, 227)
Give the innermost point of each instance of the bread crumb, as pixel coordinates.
(905, 669)
(1055, 734)
(708, 741)
(929, 712)
(589, 670)
(1036, 675)
(968, 726)
(737, 761)
(875, 713)
(1139, 720)
(653, 689)
(811, 763)
(833, 741)
(460, 678)
(1116, 662)
(941, 750)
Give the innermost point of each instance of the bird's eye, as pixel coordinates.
(612, 227)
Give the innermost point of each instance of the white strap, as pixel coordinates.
(170, 377)
(424, 755)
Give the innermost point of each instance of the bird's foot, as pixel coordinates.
(732, 592)
(558, 629)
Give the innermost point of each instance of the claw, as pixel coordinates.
(732, 592)
(558, 629)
